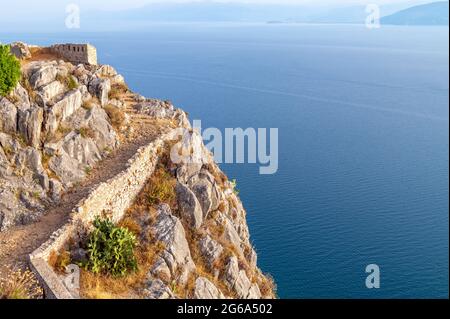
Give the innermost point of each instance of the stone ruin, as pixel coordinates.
(76, 53)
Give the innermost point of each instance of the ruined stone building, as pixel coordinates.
(77, 53)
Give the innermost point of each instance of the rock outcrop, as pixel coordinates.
(61, 121)
(48, 140)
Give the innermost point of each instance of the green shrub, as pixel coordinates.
(68, 80)
(9, 70)
(71, 83)
(111, 249)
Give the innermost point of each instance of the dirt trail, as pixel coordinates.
(17, 243)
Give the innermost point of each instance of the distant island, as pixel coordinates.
(435, 13)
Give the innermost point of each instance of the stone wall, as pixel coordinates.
(77, 53)
(112, 197)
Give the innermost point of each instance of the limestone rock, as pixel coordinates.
(43, 76)
(20, 50)
(231, 235)
(236, 279)
(254, 292)
(190, 150)
(156, 289)
(117, 79)
(205, 189)
(30, 125)
(100, 88)
(160, 270)
(252, 258)
(156, 108)
(82, 74)
(161, 110)
(83, 150)
(105, 71)
(55, 189)
(186, 171)
(66, 168)
(169, 230)
(210, 249)
(51, 90)
(8, 116)
(190, 208)
(205, 289)
(61, 111)
(21, 94)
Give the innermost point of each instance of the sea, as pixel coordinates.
(363, 141)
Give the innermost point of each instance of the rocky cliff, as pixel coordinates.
(65, 125)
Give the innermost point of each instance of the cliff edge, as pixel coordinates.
(77, 144)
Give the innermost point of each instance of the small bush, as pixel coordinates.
(116, 115)
(111, 249)
(71, 83)
(9, 70)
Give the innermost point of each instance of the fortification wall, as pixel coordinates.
(112, 197)
(77, 53)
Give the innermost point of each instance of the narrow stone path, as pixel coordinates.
(17, 243)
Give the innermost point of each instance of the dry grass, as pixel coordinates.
(27, 86)
(8, 150)
(267, 286)
(19, 284)
(60, 133)
(68, 81)
(13, 98)
(21, 139)
(116, 115)
(218, 175)
(89, 104)
(131, 224)
(161, 188)
(59, 260)
(86, 132)
(95, 286)
(118, 91)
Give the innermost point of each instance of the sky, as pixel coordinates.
(26, 5)
(25, 15)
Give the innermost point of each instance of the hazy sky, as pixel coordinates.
(28, 6)
(36, 15)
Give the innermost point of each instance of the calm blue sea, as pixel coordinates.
(363, 118)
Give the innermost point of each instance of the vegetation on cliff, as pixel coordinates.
(9, 70)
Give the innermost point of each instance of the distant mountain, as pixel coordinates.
(435, 13)
(242, 12)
